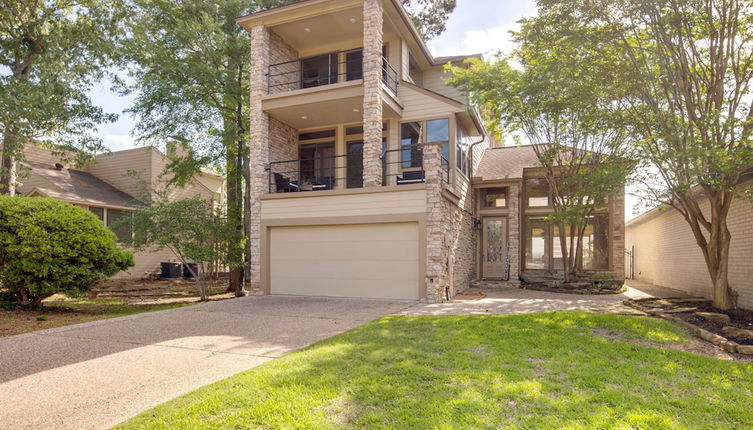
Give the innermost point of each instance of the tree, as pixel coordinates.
(50, 54)
(49, 247)
(190, 67)
(566, 107)
(689, 64)
(430, 16)
(192, 229)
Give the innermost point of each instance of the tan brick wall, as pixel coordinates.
(286, 77)
(617, 212)
(463, 239)
(437, 217)
(513, 234)
(666, 253)
(373, 22)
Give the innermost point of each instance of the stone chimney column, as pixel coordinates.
(373, 22)
(259, 145)
(437, 225)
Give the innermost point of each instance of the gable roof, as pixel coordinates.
(505, 162)
(79, 186)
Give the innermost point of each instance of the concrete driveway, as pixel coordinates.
(95, 375)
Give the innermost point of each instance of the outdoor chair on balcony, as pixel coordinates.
(414, 177)
(284, 184)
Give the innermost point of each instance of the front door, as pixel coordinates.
(494, 248)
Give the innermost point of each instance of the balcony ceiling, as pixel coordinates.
(325, 113)
(324, 31)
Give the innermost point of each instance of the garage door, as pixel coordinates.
(366, 261)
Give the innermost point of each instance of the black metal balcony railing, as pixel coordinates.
(399, 167)
(406, 166)
(327, 69)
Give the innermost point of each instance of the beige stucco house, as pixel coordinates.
(372, 178)
(110, 186)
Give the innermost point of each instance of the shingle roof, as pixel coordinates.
(506, 162)
(80, 186)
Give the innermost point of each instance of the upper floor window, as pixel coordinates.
(494, 197)
(410, 138)
(438, 130)
(537, 192)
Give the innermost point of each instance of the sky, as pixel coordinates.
(476, 26)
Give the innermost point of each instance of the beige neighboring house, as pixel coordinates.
(111, 186)
(666, 253)
(372, 178)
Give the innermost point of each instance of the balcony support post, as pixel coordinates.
(437, 228)
(373, 23)
(258, 148)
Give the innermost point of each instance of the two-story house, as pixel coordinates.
(370, 176)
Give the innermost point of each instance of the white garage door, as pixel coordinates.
(369, 261)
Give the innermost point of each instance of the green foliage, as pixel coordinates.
(430, 16)
(192, 229)
(51, 52)
(562, 100)
(48, 247)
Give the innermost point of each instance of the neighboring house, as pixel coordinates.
(666, 253)
(372, 178)
(112, 186)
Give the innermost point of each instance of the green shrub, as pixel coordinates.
(48, 247)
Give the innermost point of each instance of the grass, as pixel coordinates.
(553, 370)
(59, 311)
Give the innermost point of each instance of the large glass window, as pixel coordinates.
(537, 243)
(596, 244)
(537, 192)
(355, 164)
(438, 130)
(317, 163)
(320, 70)
(119, 222)
(410, 138)
(354, 65)
(494, 197)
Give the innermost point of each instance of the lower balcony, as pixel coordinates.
(319, 170)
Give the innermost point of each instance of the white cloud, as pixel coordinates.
(118, 142)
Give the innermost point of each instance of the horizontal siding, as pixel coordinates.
(114, 169)
(418, 105)
(434, 79)
(147, 263)
(367, 204)
(32, 181)
(666, 253)
(463, 189)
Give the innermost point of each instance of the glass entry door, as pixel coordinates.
(494, 247)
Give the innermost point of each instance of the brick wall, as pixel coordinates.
(463, 241)
(283, 77)
(666, 253)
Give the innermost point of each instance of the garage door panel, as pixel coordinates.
(375, 260)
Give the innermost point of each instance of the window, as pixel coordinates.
(494, 197)
(410, 137)
(99, 212)
(543, 246)
(321, 70)
(317, 163)
(317, 135)
(537, 243)
(120, 223)
(354, 65)
(438, 130)
(537, 192)
(596, 244)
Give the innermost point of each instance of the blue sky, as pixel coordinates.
(476, 26)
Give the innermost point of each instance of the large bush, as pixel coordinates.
(47, 247)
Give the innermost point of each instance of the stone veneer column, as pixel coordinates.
(373, 21)
(618, 235)
(259, 145)
(437, 217)
(514, 234)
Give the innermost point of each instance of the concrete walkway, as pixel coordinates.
(95, 375)
(520, 301)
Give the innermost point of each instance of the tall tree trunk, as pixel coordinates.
(234, 204)
(8, 166)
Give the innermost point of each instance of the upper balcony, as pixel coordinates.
(326, 69)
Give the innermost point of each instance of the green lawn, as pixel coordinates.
(553, 370)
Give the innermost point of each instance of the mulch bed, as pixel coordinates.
(732, 330)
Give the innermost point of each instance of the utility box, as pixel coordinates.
(172, 271)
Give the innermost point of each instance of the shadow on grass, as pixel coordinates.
(512, 371)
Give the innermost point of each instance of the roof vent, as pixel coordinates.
(59, 166)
